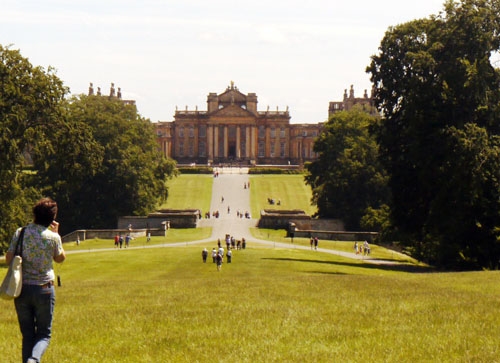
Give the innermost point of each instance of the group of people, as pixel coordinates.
(314, 242)
(362, 249)
(219, 252)
(272, 201)
(119, 240)
(216, 213)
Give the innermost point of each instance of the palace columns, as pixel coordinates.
(247, 142)
(238, 146)
(253, 142)
(216, 142)
(226, 138)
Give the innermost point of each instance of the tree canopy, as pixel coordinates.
(347, 177)
(439, 95)
(30, 102)
(94, 155)
(108, 166)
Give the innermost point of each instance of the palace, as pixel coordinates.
(233, 130)
(348, 102)
(112, 93)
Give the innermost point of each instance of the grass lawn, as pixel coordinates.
(173, 235)
(377, 252)
(268, 305)
(271, 304)
(290, 190)
(190, 191)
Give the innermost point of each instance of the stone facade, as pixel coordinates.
(233, 130)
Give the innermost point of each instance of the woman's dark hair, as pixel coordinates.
(45, 211)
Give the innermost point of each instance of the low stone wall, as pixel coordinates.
(319, 224)
(279, 219)
(185, 218)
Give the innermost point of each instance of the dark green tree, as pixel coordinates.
(31, 99)
(347, 178)
(436, 87)
(108, 166)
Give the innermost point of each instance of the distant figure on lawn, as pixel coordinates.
(204, 255)
(128, 238)
(315, 243)
(366, 248)
(214, 254)
(218, 259)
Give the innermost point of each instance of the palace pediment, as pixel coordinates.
(232, 96)
(232, 110)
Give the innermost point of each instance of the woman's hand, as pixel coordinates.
(54, 226)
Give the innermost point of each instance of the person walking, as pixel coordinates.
(229, 255)
(218, 259)
(41, 245)
(128, 238)
(214, 255)
(204, 255)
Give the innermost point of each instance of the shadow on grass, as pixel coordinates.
(397, 266)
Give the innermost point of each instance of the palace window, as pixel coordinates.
(262, 132)
(243, 151)
(181, 131)
(191, 131)
(272, 149)
(282, 149)
(273, 132)
(202, 131)
(181, 148)
(202, 149)
(262, 149)
(282, 132)
(191, 149)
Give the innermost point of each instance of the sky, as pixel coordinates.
(172, 53)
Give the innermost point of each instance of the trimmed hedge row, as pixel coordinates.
(196, 170)
(258, 170)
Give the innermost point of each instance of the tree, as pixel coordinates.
(108, 166)
(347, 177)
(30, 101)
(436, 87)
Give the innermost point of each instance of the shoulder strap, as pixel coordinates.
(20, 241)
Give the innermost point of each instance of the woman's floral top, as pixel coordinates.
(40, 246)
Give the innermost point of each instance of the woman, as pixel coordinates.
(35, 306)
